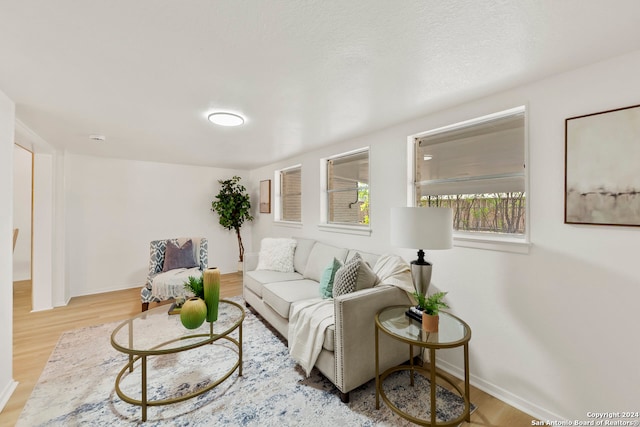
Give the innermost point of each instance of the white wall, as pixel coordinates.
(22, 167)
(555, 330)
(114, 208)
(7, 384)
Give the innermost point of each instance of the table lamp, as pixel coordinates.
(423, 228)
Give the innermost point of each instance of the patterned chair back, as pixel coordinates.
(159, 247)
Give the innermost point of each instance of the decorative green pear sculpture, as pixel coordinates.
(193, 313)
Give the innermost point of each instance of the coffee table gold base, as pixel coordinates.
(144, 403)
(124, 339)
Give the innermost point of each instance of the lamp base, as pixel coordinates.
(421, 274)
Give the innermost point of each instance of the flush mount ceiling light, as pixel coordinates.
(427, 157)
(225, 119)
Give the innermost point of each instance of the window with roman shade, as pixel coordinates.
(289, 194)
(347, 188)
(478, 169)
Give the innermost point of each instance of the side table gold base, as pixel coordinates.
(426, 373)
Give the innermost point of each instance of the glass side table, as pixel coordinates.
(453, 332)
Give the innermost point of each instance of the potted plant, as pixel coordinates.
(430, 306)
(233, 205)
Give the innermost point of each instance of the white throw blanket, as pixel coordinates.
(309, 319)
(393, 270)
(171, 283)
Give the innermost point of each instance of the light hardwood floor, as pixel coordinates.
(36, 334)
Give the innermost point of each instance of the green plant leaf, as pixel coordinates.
(195, 285)
(431, 304)
(233, 206)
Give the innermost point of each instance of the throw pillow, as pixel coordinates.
(366, 277)
(176, 256)
(327, 279)
(276, 254)
(346, 277)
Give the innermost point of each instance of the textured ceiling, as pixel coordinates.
(145, 73)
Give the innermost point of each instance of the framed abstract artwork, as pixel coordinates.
(602, 168)
(265, 196)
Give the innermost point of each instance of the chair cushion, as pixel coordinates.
(179, 256)
(170, 284)
(276, 254)
(280, 295)
(254, 280)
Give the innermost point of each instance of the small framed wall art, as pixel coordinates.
(265, 196)
(602, 168)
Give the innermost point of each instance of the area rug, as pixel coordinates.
(77, 388)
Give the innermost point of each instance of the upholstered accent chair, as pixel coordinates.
(171, 262)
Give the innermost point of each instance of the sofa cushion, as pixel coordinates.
(301, 256)
(328, 276)
(254, 280)
(329, 338)
(366, 256)
(321, 255)
(346, 277)
(280, 295)
(366, 277)
(276, 254)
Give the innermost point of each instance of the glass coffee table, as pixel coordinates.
(156, 333)
(453, 332)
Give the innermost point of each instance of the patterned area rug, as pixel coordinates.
(77, 388)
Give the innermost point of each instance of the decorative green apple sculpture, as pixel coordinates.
(193, 313)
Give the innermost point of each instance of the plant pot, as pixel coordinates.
(240, 267)
(430, 323)
(193, 313)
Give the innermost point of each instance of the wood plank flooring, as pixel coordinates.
(35, 335)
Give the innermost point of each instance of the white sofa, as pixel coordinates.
(347, 357)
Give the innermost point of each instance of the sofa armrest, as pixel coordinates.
(355, 335)
(250, 261)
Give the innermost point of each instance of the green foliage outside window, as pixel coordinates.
(494, 212)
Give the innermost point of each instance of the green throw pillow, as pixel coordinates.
(326, 281)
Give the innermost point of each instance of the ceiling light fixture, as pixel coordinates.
(225, 119)
(427, 157)
(97, 138)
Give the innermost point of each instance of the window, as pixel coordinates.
(289, 194)
(347, 188)
(478, 169)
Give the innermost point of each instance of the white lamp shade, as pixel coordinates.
(422, 228)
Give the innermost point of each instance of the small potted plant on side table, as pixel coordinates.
(430, 306)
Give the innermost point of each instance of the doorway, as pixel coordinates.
(22, 218)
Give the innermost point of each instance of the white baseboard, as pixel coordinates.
(537, 412)
(106, 290)
(6, 393)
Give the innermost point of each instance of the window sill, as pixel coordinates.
(290, 224)
(502, 244)
(345, 229)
